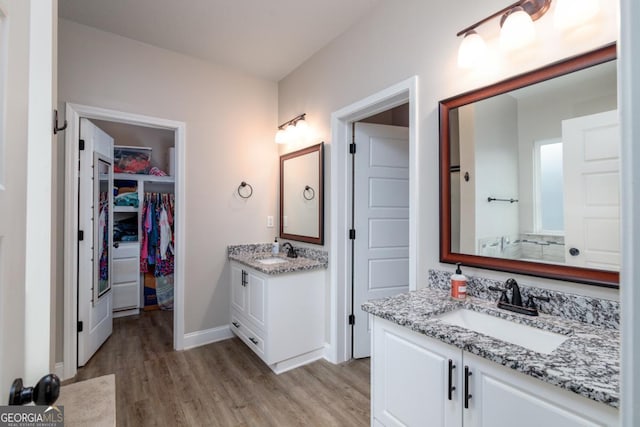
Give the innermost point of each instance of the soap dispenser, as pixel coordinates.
(458, 284)
(275, 248)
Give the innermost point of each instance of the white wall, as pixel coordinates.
(230, 122)
(414, 37)
(496, 167)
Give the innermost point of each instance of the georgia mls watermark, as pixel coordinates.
(31, 416)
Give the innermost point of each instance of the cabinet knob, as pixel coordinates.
(236, 324)
(116, 245)
(574, 251)
(253, 340)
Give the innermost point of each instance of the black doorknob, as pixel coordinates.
(44, 393)
(574, 251)
(116, 245)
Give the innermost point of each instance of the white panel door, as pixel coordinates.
(591, 169)
(502, 397)
(411, 375)
(27, 96)
(95, 298)
(238, 283)
(381, 221)
(256, 299)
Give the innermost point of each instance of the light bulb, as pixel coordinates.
(472, 50)
(517, 30)
(291, 134)
(303, 130)
(281, 137)
(570, 14)
(302, 126)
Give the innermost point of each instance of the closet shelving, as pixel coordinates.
(127, 283)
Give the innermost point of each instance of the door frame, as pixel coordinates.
(629, 106)
(73, 114)
(339, 347)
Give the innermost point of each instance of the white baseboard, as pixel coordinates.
(330, 354)
(208, 336)
(296, 362)
(123, 313)
(59, 370)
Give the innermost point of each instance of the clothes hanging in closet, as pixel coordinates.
(157, 240)
(103, 238)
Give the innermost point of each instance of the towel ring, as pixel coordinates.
(308, 190)
(243, 185)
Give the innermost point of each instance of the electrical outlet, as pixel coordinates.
(270, 221)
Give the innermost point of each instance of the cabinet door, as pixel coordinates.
(410, 378)
(256, 299)
(502, 397)
(238, 293)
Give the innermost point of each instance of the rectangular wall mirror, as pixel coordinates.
(302, 195)
(529, 173)
(102, 225)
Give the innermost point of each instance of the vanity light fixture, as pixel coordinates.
(292, 130)
(472, 50)
(517, 29)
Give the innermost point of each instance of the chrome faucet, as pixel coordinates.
(291, 252)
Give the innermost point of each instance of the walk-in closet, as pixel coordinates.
(143, 218)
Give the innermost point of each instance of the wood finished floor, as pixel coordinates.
(221, 384)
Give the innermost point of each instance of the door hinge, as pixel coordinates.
(352, 234)
(81, 145)
(80, 325)
(352, 148)
(80, 235)
(352, 319)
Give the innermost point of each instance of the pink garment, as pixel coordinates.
(157, 172)
(144, 249)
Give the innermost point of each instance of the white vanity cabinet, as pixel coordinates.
(280, 317)
(420, 381)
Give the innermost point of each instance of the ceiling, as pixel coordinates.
(267, 38)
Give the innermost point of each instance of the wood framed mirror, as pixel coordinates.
(529, 173)
(302, 195)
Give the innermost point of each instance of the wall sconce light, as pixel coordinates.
(517, 29)
(292, 130)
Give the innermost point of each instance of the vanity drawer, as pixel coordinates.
(254, 340)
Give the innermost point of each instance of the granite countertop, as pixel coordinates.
(587, 363)
(249, 255)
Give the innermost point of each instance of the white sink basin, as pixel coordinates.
(271, 261)
(535, 339)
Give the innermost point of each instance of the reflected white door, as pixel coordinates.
(95, 220)
(591, 169)
(381, 221)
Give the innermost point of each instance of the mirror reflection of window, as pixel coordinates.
(549, 203)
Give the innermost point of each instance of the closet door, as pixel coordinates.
(95, 222)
